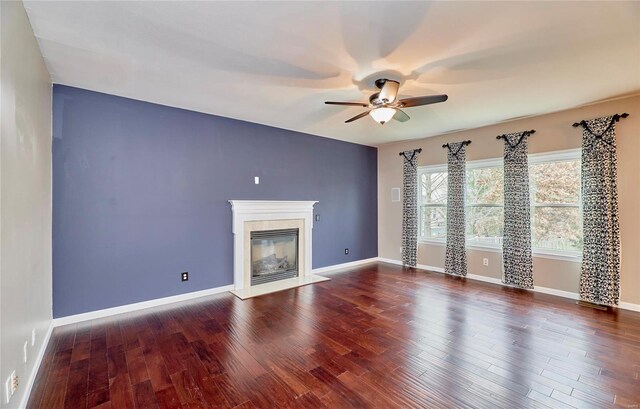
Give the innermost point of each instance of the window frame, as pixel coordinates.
(421, 203)
(481, 164)
(552, 157)
(535, 158)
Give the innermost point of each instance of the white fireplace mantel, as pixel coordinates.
(268, 210)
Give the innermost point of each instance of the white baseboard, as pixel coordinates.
(72, 319)
(36, 367)
(559, 293)
(544, 290)
(476, 277)
(390, 261)
(344, 265)
(629, 306)
(486, 279)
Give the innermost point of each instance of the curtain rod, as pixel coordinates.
(616, 118)
(446, 145)
(419, 150)
(531, 132)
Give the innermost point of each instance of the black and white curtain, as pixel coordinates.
(600, 277)
(516, 245)
(410, 208)
(455, 255)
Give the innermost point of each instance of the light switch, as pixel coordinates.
(256, 180)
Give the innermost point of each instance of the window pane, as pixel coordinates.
(433, 187)
(485, 185)
(556, 182)
(557, 228)
(485, 225)
(434, 222)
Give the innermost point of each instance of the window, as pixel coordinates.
(484, 209)
(556, 213)
(432, 199)
(556, 216)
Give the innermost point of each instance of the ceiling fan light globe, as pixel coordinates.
(382, 115)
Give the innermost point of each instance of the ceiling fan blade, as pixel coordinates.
(401, 116)
(362, 115)
(354, 104)
(417, 101)
(389, 91)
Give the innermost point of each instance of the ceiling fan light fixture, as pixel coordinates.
(382, 115)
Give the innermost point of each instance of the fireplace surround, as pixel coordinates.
(251, 216)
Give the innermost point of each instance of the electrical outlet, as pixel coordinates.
(33, 337)
(485, 261)
(317, 217)
(256, 180)
(346, 251)
(185, 276)
(24, 351)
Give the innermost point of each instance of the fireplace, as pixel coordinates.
(274, 255)
(271, 246)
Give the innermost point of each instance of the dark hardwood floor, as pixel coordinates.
(376, 336)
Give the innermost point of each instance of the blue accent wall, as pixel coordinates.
(140, 194)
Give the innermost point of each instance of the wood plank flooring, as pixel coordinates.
(376, 336)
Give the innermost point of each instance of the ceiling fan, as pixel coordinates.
(384, 105)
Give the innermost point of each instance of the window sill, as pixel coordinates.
(535, 254)
(561, 257)
(432, 242)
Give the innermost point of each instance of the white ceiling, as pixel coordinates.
(275, 63)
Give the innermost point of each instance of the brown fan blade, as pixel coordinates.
(362, 115)
(389, 91)
(417, 101)
(401, 116)
(353, 104)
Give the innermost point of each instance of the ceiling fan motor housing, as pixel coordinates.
(380, 82)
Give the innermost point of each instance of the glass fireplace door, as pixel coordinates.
(274, 255)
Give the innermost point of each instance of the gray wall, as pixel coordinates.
(25, 197)
(140, 194)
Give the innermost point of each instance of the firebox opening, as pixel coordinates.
(274, 255)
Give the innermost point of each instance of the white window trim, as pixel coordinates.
(533, 158)
(548, 254)
(557, 156)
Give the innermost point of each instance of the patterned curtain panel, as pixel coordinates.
(456, 256)
(600, 277)
(516, 246)
(410, 208)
